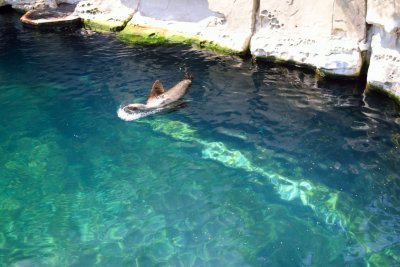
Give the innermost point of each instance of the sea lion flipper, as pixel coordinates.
(156, 90)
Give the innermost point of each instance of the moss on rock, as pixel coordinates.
(104, 26)
(135, 34)
(396, 140)
(325, 74)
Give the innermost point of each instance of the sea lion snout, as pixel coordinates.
(132, 108)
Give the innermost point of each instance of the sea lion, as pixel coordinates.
(159, 98)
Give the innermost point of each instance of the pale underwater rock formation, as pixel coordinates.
(383, 71)
(338, 210)
(328, 35)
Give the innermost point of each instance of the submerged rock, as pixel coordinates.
(8, 203)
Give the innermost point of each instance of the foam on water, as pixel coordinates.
(135, 116)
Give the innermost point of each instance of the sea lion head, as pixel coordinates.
(134, 108)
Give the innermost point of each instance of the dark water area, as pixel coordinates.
(258, 165)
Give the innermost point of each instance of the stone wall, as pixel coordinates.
(104, 15)
(384, 66)
(335, 37)
(31, 4)
(227, 23)
(327, 35)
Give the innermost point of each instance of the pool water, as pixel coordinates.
(258, 165)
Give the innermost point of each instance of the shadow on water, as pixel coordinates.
(6, 9)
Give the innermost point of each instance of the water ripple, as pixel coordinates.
(82, 188)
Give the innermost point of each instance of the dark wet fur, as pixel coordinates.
(128, 109)
(180, 104)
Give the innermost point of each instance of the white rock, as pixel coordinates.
(385, 13)
(32, 4)
(67, 1)
(113, 12)
(384, 68)
(177, 10)
(326, 35)
(227, 23)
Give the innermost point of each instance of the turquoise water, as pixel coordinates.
(259, 165)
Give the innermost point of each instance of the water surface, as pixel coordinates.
(259, 165)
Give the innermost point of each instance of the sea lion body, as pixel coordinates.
(172, 95)
(158, 98)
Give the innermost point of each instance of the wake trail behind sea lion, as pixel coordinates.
(127, 116)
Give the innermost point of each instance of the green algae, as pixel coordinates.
(396, 140)
(105, 25)
(134, 34)
(35, 159)
(31, 172)
(9, 204)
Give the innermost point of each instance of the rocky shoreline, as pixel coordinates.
(336, 38)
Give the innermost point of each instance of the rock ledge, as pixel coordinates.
(61, 17)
